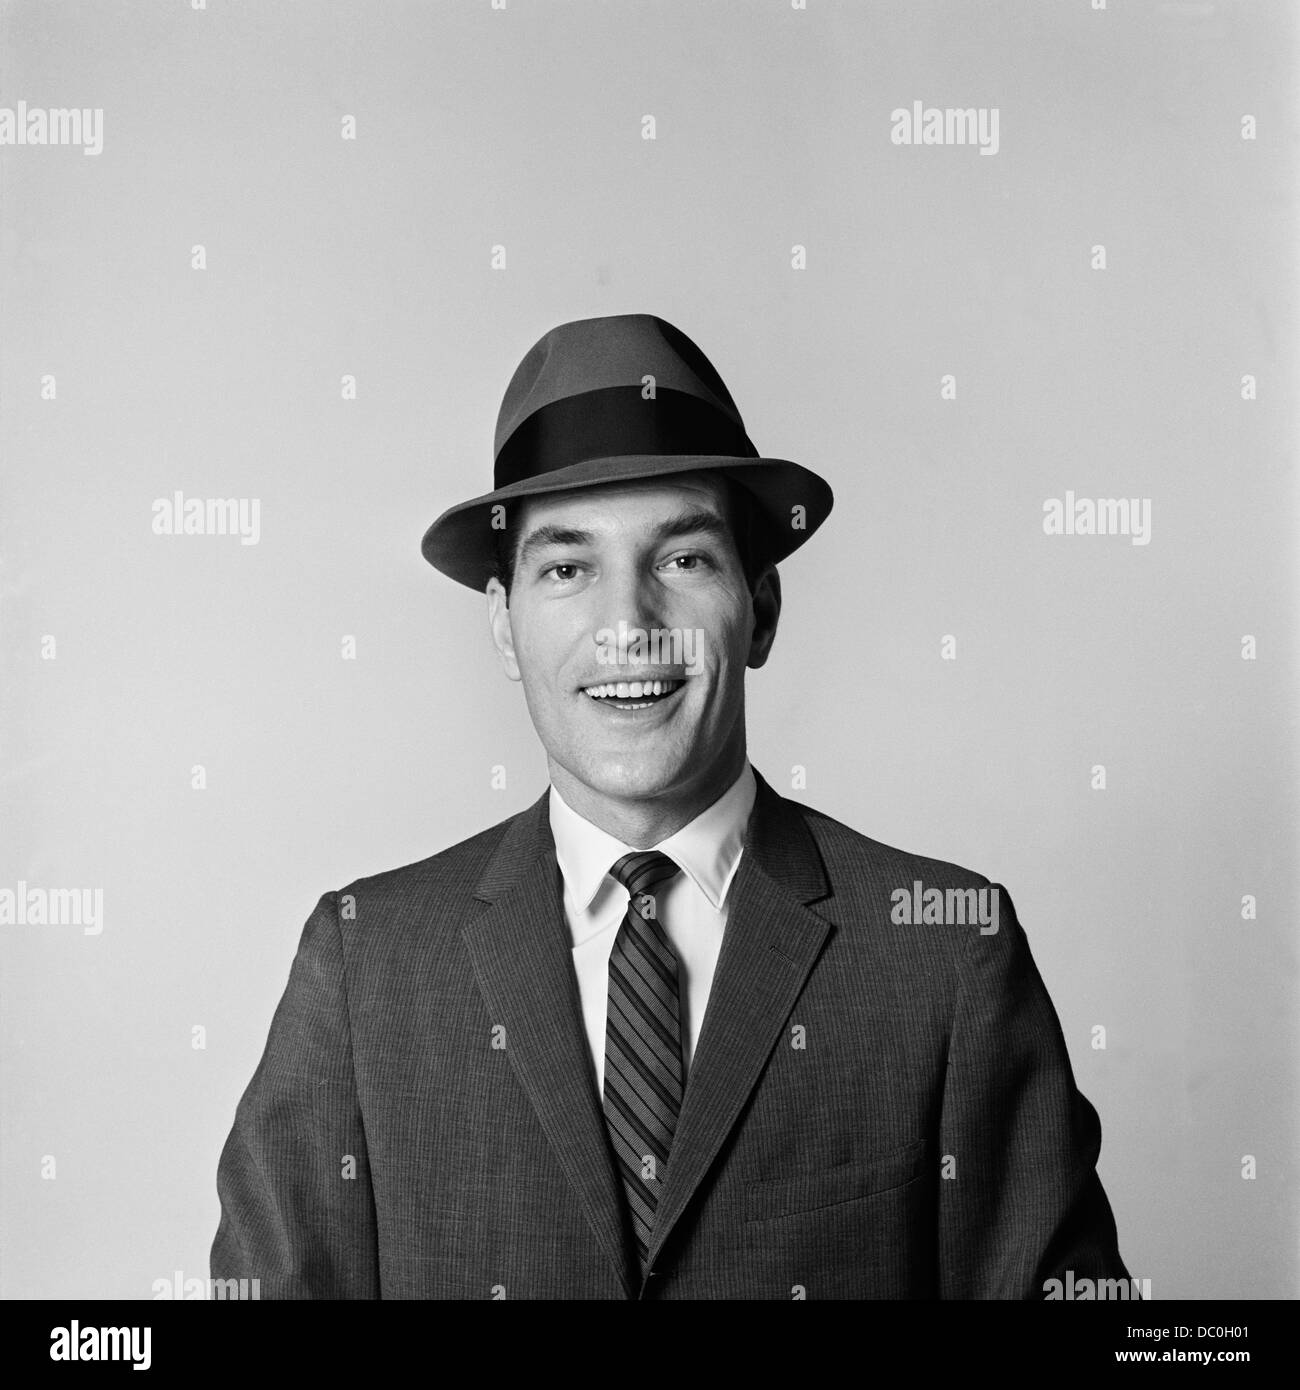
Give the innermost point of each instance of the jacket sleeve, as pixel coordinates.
(297, 1210)
(1022, 1203)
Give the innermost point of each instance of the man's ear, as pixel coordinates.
(767, 611)
(503, 637)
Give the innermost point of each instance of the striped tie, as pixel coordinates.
(643, 1049)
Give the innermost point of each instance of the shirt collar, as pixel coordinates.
(707, 849)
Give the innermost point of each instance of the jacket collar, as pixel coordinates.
(707, 849)
(776, 835)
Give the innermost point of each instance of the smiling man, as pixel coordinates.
(665, 1034)
(657, 557)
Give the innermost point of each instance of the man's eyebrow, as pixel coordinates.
(696, 521)
(542, 536)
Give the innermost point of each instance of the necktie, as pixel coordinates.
(643, 1049)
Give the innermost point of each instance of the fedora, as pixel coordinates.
(606, 400)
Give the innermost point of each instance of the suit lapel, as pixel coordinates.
(519, 949)
(770, 945)
(520, 952)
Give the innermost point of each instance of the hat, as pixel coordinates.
(608, 400)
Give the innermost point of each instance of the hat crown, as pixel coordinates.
(615, 400)
(649, 383)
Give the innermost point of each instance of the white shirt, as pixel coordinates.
(692, 904)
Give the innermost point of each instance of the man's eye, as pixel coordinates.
(687, 564)
(563, 571)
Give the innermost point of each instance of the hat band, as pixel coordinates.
(617, 420)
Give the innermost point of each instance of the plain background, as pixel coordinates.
(522, 128)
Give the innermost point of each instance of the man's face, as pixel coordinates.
(630, 624)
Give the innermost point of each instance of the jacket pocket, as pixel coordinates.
(771, 1198)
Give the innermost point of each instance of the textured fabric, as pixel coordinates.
(695, 905)
(875, 1110)
(643, 1043)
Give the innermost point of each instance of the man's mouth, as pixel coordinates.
(632, 695)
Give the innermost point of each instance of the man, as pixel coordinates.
(665, 1034)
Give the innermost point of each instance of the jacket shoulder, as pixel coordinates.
(456, 869)
(914, 915)
(847, 852)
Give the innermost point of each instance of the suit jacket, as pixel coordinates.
(874, 1110)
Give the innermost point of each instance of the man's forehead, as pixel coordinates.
(635, 500)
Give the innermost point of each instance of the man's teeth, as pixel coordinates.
(631, 690)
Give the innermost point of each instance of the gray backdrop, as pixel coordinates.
(127, 374)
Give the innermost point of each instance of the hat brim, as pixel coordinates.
(461, 542)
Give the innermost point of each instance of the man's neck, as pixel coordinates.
(640, 823)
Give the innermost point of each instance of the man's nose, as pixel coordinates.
(632, 597)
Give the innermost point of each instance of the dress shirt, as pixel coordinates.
(692, 905)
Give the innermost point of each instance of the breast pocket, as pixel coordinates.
(769, 1199)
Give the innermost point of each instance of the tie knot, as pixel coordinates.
(640, 871)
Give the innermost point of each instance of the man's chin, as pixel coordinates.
(643, 778)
